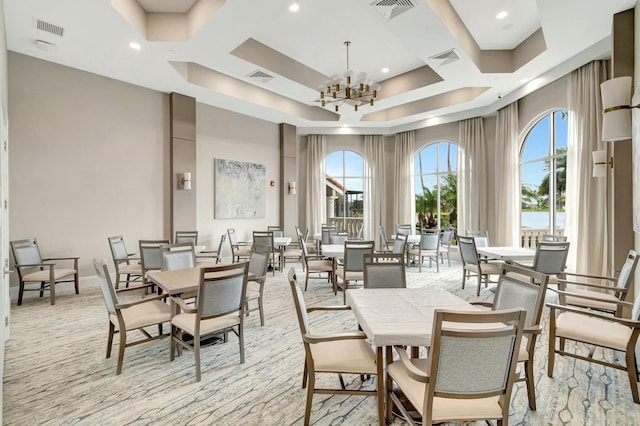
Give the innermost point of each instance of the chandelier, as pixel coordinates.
(343, 90)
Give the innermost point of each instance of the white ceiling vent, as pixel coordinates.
(263, 76)
(46, 26)
(446, 57)
(392, 8)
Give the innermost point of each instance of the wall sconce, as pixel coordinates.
(600, 163)
(616, 105)
(185, 180)
(292, 188)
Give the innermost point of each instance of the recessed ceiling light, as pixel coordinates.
(294, 7)
(135, 46)
(385, 70)
(502, 15)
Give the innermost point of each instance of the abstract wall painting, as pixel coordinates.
(240, 190)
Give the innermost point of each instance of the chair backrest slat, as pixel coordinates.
(259, 261)
(353, 254)
(627, 270)
(551, 257)
(151, 254)
(222, 290)
(468, 252)
(108, 292)
(512, 292)
(429, 241)
(118, 248)
(400, 244)
(178, 256)
(384, 270)
(186, 237)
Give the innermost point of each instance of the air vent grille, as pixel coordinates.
(48, 27)
(392, 8)
(446, 57)
(263, 76)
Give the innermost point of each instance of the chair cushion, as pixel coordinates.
(594, 304)
(486, 268)
(443, 408)
(346, 356)
(44, 275)
(187, 323)
(133, 268)
(592, 330)
(349, 275)
(242, 251)
(144, 314)
(320, 265)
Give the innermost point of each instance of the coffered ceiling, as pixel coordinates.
(446, 59)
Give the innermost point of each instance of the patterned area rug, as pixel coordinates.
(56, 372)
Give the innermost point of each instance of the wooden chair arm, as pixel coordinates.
(595, 298)
(32, 265)
(627, 322)
(346, 335)
(534, 329)
(482, 303)
(60, 258)
(562, 286)
(141, 301)
(414, 372)
(598, 277)
(183, 305)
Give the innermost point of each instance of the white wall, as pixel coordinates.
(232, 136)
(89, 159)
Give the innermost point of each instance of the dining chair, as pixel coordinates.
(326, 232)
(315, 264)
(125, 317)
(472, 264)
(178, 256)
(597, 330)
(550, 259)
(404, 229)
(150, 257)
(468, 374)
(44, 272)
(126, 264)
(525, 288)
(352, 269)
(277, 231)
(265, 238)
(385, 242)
(240, 250)
(384, 270)
(338, 239)
(445, 245)
(429, 247)
(186, 237)
(596, 295)
(304, 239)
(258, 265)
(342, 352)
(219, 308)
(481, 237)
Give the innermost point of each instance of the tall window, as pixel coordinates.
(345, 190)
(543, 164)
(436, 185)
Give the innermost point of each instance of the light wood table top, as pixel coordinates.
(184, 280)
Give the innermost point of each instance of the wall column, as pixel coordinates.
(183, 160)
(288, 175)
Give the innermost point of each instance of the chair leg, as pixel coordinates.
(344, 291)
(41, 288)
(77, 284)
(631, 372)
(172, 342)
(310, 389)
(464, 277)
(196, 355)
(479, 285)
(52, 292)
(306, 280)
(20, 293)
(110, 338)
(305, 372)
(261, 308)
(123, 344)
(531, 389)
(241, 340)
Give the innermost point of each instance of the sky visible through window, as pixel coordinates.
(537, 147)
(352, 167)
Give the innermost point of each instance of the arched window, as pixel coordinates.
(436, 185)
(345, 190)
(543, 165)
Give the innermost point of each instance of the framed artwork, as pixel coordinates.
(240, 190)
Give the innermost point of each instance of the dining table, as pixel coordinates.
(332, 250)
(399, 316)
(187, 280)
(507, 253)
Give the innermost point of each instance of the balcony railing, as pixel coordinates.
(529, 237)
(351, 225)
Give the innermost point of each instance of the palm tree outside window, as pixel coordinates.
(543, 164)
(436, 185)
